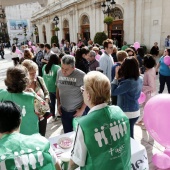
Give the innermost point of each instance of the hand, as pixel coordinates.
(29, 90)
(47, 100)
(78, 113)
(59, 109)
(116, 72)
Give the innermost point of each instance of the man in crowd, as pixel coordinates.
(93, 63)
(47, 54)
(69, 97)
(106, 61)
(18, 150)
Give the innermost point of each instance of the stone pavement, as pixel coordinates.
(55, 127)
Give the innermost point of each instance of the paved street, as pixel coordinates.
(54, 128)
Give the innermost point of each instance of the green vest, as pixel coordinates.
(22, 152)
(50, 78)
(29, 123)
(107, 137)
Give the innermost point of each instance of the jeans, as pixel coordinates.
(67, 119)
(52, 103)
(132, 124)
(163, 80)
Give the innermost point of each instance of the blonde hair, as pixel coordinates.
(30, 65)
(98, 87)
(121, 55)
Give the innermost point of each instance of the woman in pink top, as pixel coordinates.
(149, 80)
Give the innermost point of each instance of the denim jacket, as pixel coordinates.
(128, 92)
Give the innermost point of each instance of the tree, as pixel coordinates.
(54, 39)
(100, 37)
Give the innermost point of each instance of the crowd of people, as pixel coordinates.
(98, 88)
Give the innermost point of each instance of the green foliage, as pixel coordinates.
(108, 20)
(56, 29)
(36, 32)
(100, 37)
(54, 39)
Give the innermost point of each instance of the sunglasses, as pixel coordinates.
(82, 89)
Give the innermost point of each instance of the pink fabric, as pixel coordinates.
(97, 57)
(149, 83)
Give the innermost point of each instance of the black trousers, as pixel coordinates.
(162, 81)
(42, 126)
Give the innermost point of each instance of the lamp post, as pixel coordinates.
(56, 21)
(107, 7)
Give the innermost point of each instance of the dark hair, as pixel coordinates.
(54, 44)
(61, 55)
(80, 52)
(41, 45)
(141, 52)
(133, 48)
(129, 68)
(14, 48)
(54, 59)
(149, 61)
(168, 50)
(10, 116)
(17, 79)
(47, 46)
(107, 42)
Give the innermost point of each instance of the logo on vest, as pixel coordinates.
(25, 159)
(116, 130)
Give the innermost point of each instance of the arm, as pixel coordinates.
(72, 165)
(57, 166)
(157, 66)
(58, 101)
(121, 88)
(103, 65)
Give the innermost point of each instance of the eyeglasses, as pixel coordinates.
(82, 89)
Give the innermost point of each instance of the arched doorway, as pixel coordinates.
(36, 33)
(44, 34)
(66, 30)
(117, 26)
(52, 29)
(85, 27)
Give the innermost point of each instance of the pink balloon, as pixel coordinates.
(18, 51)
(167, 60)
(29, 43)
(136, 45)
(161, 160)
(157, 118)
(142, 98)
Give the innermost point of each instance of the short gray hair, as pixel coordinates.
(92, 53)
(68, 60)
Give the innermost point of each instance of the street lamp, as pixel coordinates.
(107, 8)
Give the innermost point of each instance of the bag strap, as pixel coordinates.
(40, 84)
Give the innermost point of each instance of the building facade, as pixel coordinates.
(143, 21)
(18, 17)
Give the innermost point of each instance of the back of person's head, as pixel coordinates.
(124, 43)
(107, 42)
(68, 60)
(92, 54)
(54, 45)
(61, 55)
(97, 86)
(130, 50)
(14, 48)
(80, 52)
(141, 52)
(17, 79)
(30, 65)
(114, 49)
(149, 61)
(41, 46)
(47, 46)
(28, 54)
(10, 116)
(54, 59)
(121, 55)
(133, 48)
(129, 68)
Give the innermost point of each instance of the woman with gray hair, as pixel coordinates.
(93, 63)
(17, 80)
